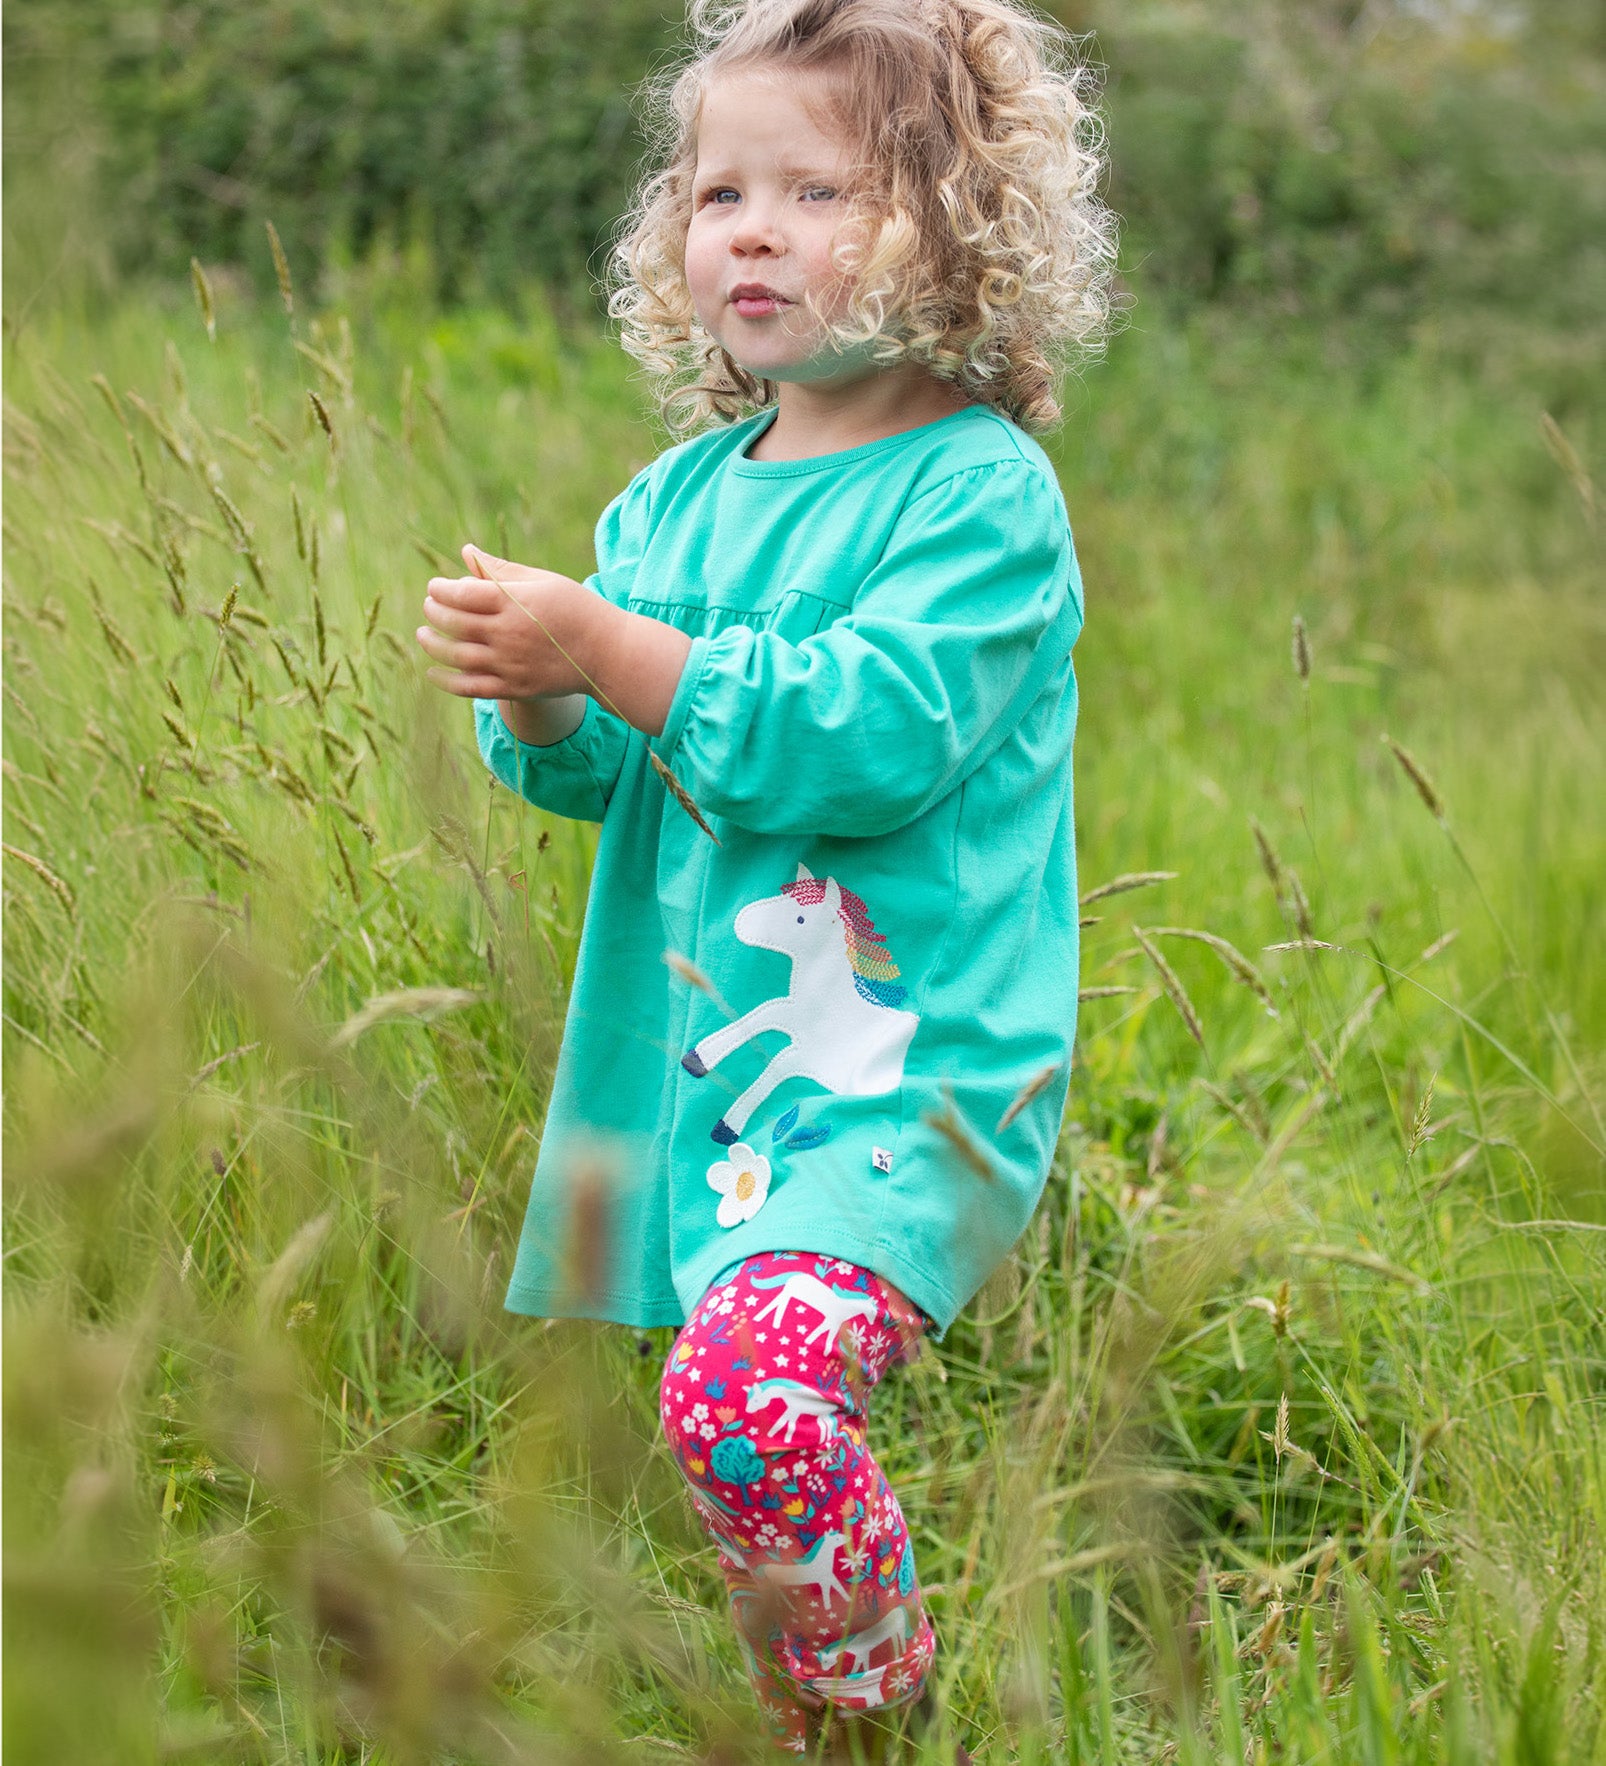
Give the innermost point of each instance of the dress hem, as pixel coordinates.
(877, 1255)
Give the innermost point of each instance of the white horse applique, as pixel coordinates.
(842, 1011)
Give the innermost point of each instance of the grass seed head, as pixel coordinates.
(1425, 788)
(48, 877)
(1269, 861)
(1301, 650)
(1038, 1082)
(1174, 990)
(951, 1126)
(1127, 881)
(1419, 1124)
(1565, 455)
(281, 269)
(321, 411)
(203, 296)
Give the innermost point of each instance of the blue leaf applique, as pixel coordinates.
(810, 1135)
(784, 1126)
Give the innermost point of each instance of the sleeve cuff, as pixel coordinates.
(573, 776)
(691, 674)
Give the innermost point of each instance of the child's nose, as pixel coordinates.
(755, 232)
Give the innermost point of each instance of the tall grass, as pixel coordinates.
(1279, 1436)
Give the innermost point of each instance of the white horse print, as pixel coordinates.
(834, 1306)
(843, 1011)
(892, 1627)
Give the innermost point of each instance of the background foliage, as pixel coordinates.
(1383, 165)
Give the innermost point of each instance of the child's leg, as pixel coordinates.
(763, 1401)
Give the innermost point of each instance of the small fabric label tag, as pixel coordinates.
(881, 1158)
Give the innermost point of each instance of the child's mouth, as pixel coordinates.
(756, 306)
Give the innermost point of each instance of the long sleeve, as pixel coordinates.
(575, 777)
(860, 728)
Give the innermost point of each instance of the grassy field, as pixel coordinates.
(1280, 1436)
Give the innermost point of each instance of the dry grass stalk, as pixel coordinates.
(1565, 455)
(407, 1002)
(239, 531)
(948, 1123)
(325, 422)
(688, 971)
(1104, 993)
(681, 796)
(1357, 1021)
(281, 269)
(104, 387)
(1297, 904)
(274, 435)
(1419, 1123)
(164, 432)
(1368, 1260)
(345, 864)
(1174, 990)
(329, 368)
(1324, 1067)
(1235, 960)
(1257, 1131)
(1301, 651)
(1269, 861)
(115, 641)
(1442, 942)
(203, 295)
(211, 1067)
(48, 877)
(1425, 788)
(1120, 885)
(1041, 1079)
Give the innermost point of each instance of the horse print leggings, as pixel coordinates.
(762, 1401)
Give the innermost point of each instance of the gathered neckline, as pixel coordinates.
(757, 425)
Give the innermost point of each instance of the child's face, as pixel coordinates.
(768, 196)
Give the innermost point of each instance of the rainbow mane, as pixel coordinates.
(868, 956)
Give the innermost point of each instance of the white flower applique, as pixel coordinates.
(743, 1182)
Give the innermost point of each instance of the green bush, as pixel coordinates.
(1299, 158)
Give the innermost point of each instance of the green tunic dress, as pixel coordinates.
(806, 1036)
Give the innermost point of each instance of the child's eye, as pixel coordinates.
(823, 191)
(718, 195)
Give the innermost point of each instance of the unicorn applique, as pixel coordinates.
(843, 1011)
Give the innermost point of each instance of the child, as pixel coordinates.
(841, 616)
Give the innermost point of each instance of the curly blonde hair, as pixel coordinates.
(977, 246)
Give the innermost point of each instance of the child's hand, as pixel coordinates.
(520, 644)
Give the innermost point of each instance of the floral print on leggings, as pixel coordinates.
(763, 1404)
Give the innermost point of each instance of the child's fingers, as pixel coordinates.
(466, 592)
(454, 652)
(455, 621)
(467, 686)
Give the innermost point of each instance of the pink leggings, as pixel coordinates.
(762, 1402)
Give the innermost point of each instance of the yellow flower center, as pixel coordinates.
(744, 1185)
